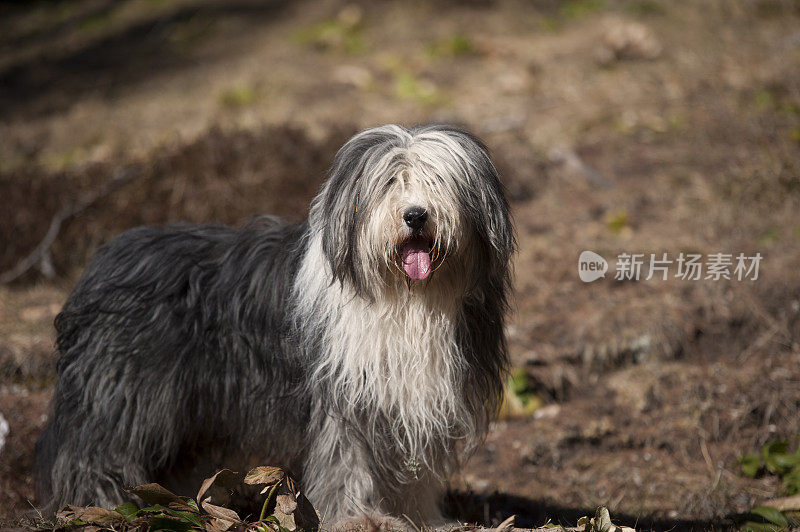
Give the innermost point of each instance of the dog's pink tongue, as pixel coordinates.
(416, 260)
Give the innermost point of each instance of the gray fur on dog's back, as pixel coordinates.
(170, 337)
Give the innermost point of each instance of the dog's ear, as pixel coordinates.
(339, 210)
(487, 207)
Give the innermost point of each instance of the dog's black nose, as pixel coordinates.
(415, 217)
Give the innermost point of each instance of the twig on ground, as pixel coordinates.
(41, 253)
(784, 504)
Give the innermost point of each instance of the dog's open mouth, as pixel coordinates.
(415, 256)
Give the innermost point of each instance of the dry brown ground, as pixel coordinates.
(620, 126)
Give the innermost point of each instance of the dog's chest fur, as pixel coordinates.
(394, 364)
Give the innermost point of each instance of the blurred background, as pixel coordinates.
(619, 126)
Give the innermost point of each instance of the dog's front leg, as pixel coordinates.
(342, 485)
(337, 473)
(350, 494)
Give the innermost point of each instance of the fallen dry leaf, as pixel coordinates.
(157, 494)
(89, 514)
(286, 501)
(226, 480)
(601, 522)
(506, 525)
(264, 475)
(224, 518)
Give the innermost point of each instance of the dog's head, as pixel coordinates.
(414, 207)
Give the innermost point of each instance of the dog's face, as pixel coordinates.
(414, 208)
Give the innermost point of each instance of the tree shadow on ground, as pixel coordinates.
(492, 509)
(57, 26)
(51, 80)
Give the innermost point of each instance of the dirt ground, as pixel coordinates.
(627, 126)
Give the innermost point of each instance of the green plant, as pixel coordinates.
(341, 33)
(764, 99)
(645, 7)
(617, 221)
(580, 8)
(410, 87)
(775, 458)
(520, 397)
(239, 96)
(457, 44)
(765, 518)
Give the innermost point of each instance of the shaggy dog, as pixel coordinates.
(362, 350)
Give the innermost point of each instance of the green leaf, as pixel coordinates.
(786, 461)
(129, 510)
(750, 464)
(191, 503)
(779, 463)
(188, 517)
(518, 381)
(777, 446)
(751, 526)
(791, 482)
(154, 509)
(169, 524)
(771, 453)
(772, 515)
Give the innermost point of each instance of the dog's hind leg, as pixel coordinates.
(69, 472)
(85, 457)
(108, 430)
(91, 481)
(46, 451)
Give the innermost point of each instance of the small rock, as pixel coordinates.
(547, 412)
(624, 40)
(353, 75)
